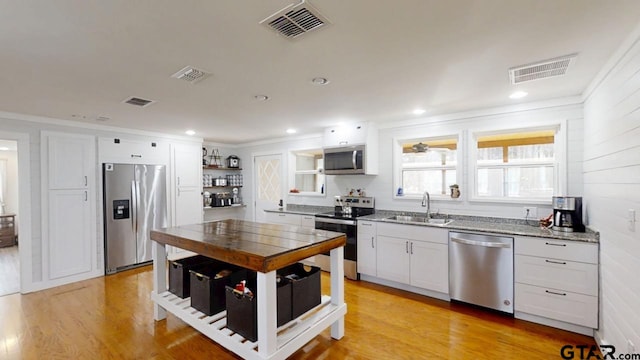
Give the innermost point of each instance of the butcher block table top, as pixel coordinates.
(256, 246)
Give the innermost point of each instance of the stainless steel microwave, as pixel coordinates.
(346, 160)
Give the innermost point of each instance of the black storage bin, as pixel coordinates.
(305, 287)
(179, 273)
(207, 292)
(242, 310)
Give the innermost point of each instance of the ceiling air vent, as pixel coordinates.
(541, 69)
(138, 101)
(191, 74)
(295, 20)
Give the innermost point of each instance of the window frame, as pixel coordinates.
(292, 172)
(398, 168)
(559, 163)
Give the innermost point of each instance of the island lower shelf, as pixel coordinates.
(290, 335)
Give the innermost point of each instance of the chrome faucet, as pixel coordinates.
(426, 202)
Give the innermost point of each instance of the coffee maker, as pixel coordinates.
(567, 214)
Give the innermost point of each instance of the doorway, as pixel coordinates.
(9, 232)
(269, 184)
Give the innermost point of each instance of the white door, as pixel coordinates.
(269, 190)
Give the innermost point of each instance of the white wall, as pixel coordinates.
(612, 187)
(381, 186)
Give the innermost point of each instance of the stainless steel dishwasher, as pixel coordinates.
(481, 270)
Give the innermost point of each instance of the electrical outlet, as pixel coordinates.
(631, 349)
(529, 212)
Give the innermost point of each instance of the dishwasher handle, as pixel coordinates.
(481, 243)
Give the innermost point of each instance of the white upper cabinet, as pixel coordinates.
(71, 161)
(187, 162)
(129, 151)
(349, 134)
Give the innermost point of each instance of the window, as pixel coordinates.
(428, 164)
(517, 165)
(308, 177)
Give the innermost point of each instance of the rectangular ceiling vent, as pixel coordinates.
(295, 20)
(541, 69)
(191, 74)
(138, 101)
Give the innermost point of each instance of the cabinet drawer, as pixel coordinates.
(308, 221)
(563, 275)
(557, 249)
(558, 305)
(366, 227)
(6, 230)
(414, 232)
(7, 241)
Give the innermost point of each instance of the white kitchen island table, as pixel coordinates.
(264, 248)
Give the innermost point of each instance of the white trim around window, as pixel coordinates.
(559, 163)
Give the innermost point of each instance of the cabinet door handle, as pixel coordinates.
(86, 198)
(406, 246)
(411, 248)
(372, 244)
(282, 215)
(552, 244)
(178, 180)
(556, 262)
(343, 142)
(555, 293)
(365, 224)
(86, 181)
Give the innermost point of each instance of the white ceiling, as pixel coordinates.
(79, 59)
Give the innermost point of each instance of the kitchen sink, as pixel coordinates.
(420, 219)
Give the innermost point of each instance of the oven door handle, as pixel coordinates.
(336, 221)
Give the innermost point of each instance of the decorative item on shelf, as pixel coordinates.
(215, 160)
(455, 191)
(233, 162)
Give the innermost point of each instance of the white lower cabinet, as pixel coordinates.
(430, 266)
(367, 246)
(393, 259)
(413, 255)
(557, 280)
(283, 218)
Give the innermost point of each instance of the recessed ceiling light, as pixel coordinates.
(419, 111)
(291, 131)
(320, 81)
(261, 97)
(518, 95)
(4, 148)
(190, 132)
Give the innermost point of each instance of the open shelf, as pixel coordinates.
(226, 207)
(209, 167)
(290, 338)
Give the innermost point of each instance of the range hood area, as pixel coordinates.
(351, 149)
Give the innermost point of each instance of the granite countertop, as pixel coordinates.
(302, 209)
(493, 225)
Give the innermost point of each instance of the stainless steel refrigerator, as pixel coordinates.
(135, 202)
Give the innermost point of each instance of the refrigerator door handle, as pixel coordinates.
(134, 206)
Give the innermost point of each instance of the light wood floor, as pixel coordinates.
(9, 270)
(112, 318)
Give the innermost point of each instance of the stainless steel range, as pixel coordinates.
(344, 219)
